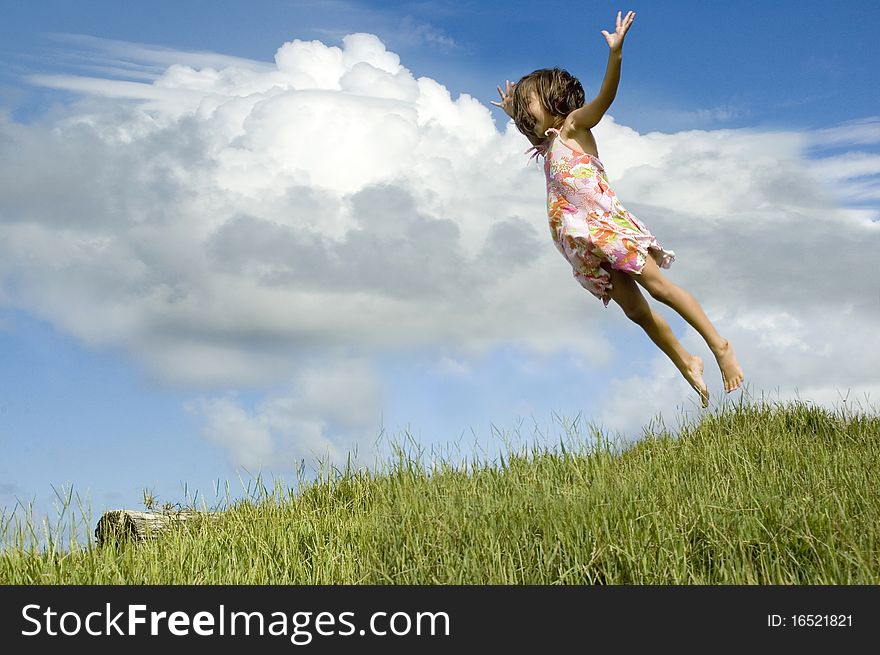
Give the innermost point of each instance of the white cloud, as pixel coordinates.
(222, 229)
(329, 412)
(847, 166)
(144, 57)
(452, 367)
(704, 117)
(418, 33)
(632, 401)
(398, 29)
(229, 220)
(786, 356)
(862, 131)
(780, 331)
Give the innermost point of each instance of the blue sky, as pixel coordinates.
(745, 134)
(804, 64)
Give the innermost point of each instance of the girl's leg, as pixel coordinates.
(625, 292)
(687, 306)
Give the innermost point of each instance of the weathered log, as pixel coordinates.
(123, 525)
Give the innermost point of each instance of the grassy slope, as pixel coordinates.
(752, 494)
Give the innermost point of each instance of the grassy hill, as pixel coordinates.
(765, 493)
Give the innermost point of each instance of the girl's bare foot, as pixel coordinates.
(693, 373)
(730, 369)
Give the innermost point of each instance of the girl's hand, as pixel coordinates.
(615, 41)
(506, 98)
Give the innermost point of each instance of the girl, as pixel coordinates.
(609, 249)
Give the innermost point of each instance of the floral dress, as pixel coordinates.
(589, 226)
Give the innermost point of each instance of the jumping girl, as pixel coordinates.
(609, 249)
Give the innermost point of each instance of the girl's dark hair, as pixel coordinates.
(558, 91)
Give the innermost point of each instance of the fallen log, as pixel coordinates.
(123, 525)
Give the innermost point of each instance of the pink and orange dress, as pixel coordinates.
(590, 227)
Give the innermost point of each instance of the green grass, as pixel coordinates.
(751, 494)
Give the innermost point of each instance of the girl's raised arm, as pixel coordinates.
(591, 113)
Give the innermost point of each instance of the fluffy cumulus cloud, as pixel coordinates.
(227, 220)
(782, 268)
(231, 219)
(327, 415)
